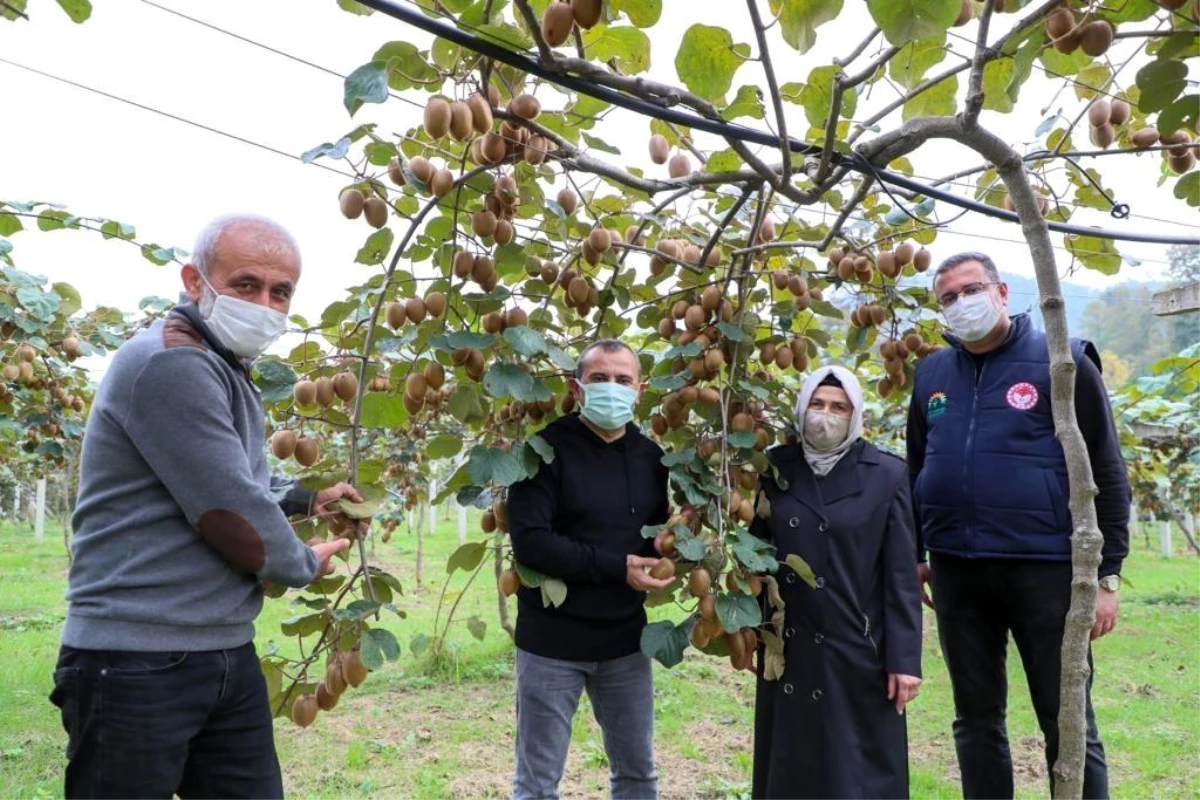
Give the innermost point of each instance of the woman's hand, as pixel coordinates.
(902, 689)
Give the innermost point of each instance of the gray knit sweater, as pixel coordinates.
(177, 520)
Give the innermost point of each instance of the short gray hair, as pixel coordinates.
(606, 346)
(204, 254)
(959, 259)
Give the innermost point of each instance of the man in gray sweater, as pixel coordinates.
(177, 525)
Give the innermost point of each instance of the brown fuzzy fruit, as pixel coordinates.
(913, 342)
(663, 568)
(353, 670)
(743, 422)
(587, 12)
(1099, 112)
(396, 171)
(396, 316)
(1181, 141)
(1181, 164)
(680, 166)
(283, 443)
(525, 106)
(515, 317)
(1060, 23)
(345, 385)
(1146, 137)
(435, 304)
(509, 581)
(557, 24)
(904, 254)
(481, 113)
(442, 183)
(375, 210)
(326, 699)
(699, 582)
(599, 240)
(334, 681)
(462, 121)
(307, 452)
(304, 710)
(922, 259)
(885, 262)
(483, 223)
(421, 167)
(352, 202)
(416, 385)
(435, 375)
(784, 357)
(437, 118)
(503, 233)
(567, 199)
(492, 148)
(966, 13)
(415, 310)
(1120, 112)
(1095, 38)
(536, 150)
(305, 393)
(464, 262)
(659, 149)
(845, 268)
(1103, 136)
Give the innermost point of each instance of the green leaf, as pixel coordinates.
(801, 568)
(737, 611)
(378, 645)
(543, 448)
(364, 510)
(799, 19)
(642, 13)
(354, 7)
(467, 557)
(333, 150)
(382, 410)
(1160, 83)
(732, 331)
(724, 161)
(747, 103)
(459, 339)
(509, 380)
(493, 465)
(367, 84)
(406, 67)
(1180, 114)
(689, 546)
(1091, 80)
(554, 592)
(444, 446)
(629, 46)
(817, 96)
(467, 404)
(529, 577)
(275, 379)
(1095, 253)
(996, 76)
(668, 383)
(665, 641)
(376, 248)
(41, 305)
(1063, 64)
(525, 340)
(77, 10)
(742, 439)
(9, 224)
(908, 67)
(419, 644)
(477, 627)
(1187, 188)
(596, 143)
(305, 625)
(904, 21)
(936, 102)
(707, 60)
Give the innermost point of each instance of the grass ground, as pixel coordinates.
(412, 731)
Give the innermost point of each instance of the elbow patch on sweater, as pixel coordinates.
(234, 539)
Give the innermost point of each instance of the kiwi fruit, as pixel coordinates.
(334, 681)
(504, 232)
(1181, 164)
(437, 118)
(680, 166)
(509, 581)
(307, 452)
(587, 12)
(481, 113)
(305, 393)
(1059, 23)
(352, 202)
(422, 168)
(742, 422)
(1120, 112)
(885, 262)
(304, 710)
(326, 699)
(966, 13)
(396, 171)
(567, 199)
(663, 568)
(414, 309)
(549, 273)
(1103, 136)
(483, 223)
(283, 443)
(345, 385)
(784, 357)
(557, 23)
(375, 210)
(1095, 38)
(699, 582)
(659, 149)
(599, 240)
(708, 604)
(922, 260)
(353, 670)
(416, 385)
(435, 304)
(1181, 141)
(536, 150)
(884, 387)
(845, 268)
(666, 327)
(492, 148)
(766, 232)
(435, 375)
(1099, 112)
(525, 106)
(493, 322)
(442, 183)
(325, 392)
(515, 318)
(578, 289)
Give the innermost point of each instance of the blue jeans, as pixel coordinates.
(196, 724)
(622, 695)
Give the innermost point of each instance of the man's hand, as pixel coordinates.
(902, 689)
(326, 551)
(1106, 613)
(340, 523)
(923, 581)
(637, 577)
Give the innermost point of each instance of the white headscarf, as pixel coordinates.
(822, 461)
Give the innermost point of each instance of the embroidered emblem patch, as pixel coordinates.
(937, 405)
(1022, 396)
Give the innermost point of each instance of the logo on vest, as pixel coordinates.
(1023, 396)
(937, 405)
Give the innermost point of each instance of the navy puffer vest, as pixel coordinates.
(994, 480)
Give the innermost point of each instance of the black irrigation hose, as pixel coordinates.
(857, 162)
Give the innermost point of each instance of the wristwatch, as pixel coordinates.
(1110, 583)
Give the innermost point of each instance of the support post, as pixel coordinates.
(1164, 538)
(39, 524)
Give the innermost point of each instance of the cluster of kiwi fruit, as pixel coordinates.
(494, 221)
(344, 670)
(669, 252)
(895, 353)
(517, 412)
(1068, 33)
(471, 359)
(678, 165)
(22, 370)
(364, 202)
(579, 291)
(415, 310)
(496, 517)
(793, 354)
(849, 265)
(426, 386)
(562, 17)
(802, 290)
(1105, 117)
(1180, 153)
(480, 268)
(286, 444)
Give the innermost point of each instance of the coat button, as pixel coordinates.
(791, 577)
(794, 522)
(820, 583)
(824, 526)
(789, 633)
(820, 637)
(817, 694)
(788, 688)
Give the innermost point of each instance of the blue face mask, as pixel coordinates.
(608, 405)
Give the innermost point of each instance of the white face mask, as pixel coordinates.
(972, 318)
(247, 329)
(825, 431)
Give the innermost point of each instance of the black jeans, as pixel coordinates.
(978, 602)
(196, 724)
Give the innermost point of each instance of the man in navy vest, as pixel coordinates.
(990, 493)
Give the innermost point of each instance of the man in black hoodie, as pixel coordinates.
(580, 520)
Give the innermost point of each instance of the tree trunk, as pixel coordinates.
(501, 600)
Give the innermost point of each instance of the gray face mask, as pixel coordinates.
(973, 318)
(247, 329)
(825, 431)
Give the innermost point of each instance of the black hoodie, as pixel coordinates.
(577, 520)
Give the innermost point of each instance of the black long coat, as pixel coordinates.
(826, 727)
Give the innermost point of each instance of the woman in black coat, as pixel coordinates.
(832, 724)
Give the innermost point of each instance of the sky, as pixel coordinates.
(101, 157)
